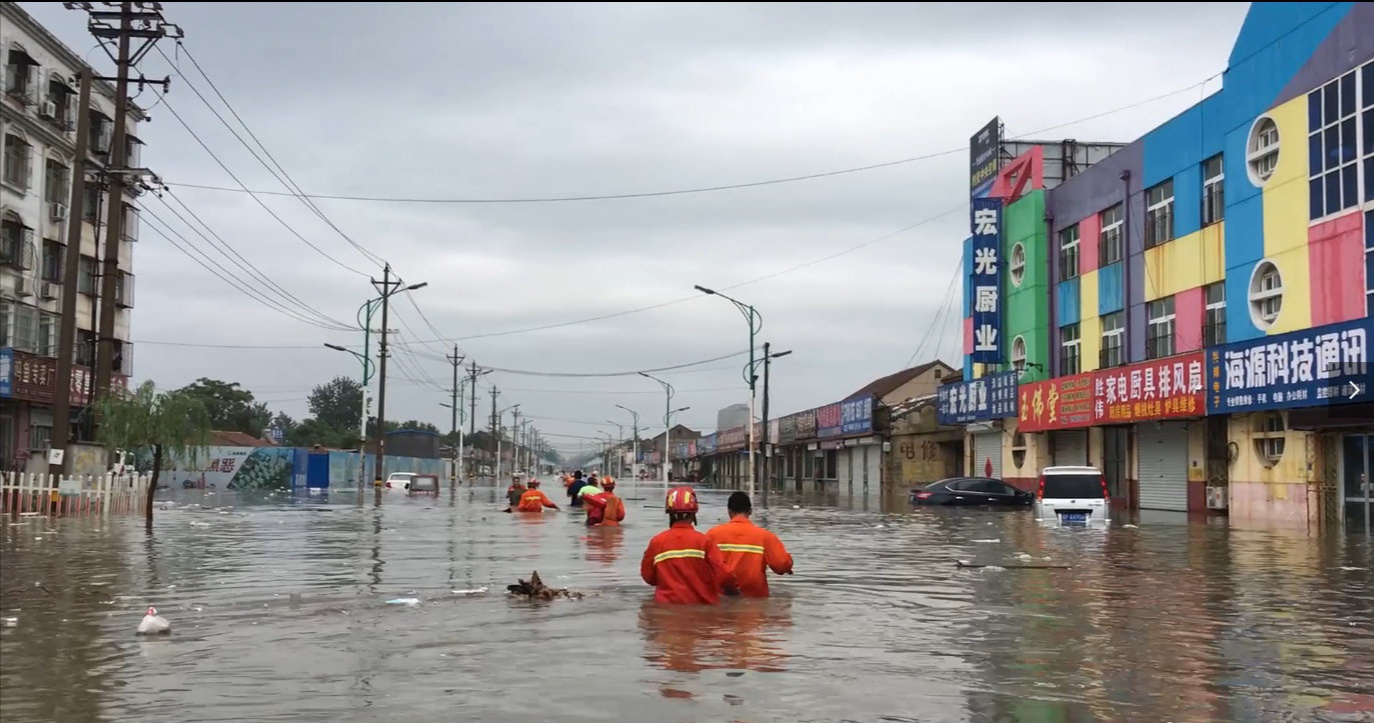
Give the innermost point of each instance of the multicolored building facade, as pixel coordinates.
(1192, 314)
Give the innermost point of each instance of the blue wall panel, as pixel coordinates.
(1110, 292)
(968, 273)
(1067, 306)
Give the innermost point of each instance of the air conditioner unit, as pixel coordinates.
(48, 290)
(1217, 498)
(23, 287)
(58, 211)
(47, 109)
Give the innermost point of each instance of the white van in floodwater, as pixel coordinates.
(1072, 497)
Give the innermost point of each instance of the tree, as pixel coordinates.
(338, 403)
(310, 432)
(284, 422)
(174, 424)
(231, 407)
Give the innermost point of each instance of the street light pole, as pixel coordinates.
(767, 359)
(387, 287)
(362, 423)
(667, 421)
(755, 321)
(634, 463)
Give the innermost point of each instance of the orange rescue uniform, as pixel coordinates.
(747, 549)
(685, 566)
(535, 501)
(614, 514)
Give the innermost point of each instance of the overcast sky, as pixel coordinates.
(489, 101)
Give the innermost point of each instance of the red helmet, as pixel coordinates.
(681, 499)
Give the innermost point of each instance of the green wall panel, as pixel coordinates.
(1027, 304)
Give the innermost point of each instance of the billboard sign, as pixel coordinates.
(856, 415)
(986, 280)
(1061, 403)
(1158, 389)
(1314, 367)
(984, 157)
(978, 400)
(828, 421)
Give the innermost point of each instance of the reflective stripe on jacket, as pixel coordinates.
(748, 549)
(685, 567)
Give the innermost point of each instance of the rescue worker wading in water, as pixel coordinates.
(605, 509)
(534, 499)
(748, 548)
(684, 566)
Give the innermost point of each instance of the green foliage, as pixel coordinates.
(175, 425)
(393, 426)
(311, 431)
(229, 406)
(338, 403)
(283, 421)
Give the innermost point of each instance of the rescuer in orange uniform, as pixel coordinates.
(684, 565)
(534, 499)
(605, 508)
(749, 550)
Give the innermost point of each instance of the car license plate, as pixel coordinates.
(1079, 517)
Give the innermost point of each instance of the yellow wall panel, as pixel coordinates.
(1185, 263)
(1294, 265)
(1090, 334)
(1285, 193)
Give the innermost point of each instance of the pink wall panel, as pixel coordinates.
(1336, 255)
(968, 336)
(1088, 229)
(1189, 308)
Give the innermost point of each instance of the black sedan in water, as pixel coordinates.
(971, 492)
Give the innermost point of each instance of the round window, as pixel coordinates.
(1262, 150)
(1266, 294)
(1017, 267)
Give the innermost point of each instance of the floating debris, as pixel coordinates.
(535, 589)
(990, 541)
(973, 565)
(409, 601)
(473, 591)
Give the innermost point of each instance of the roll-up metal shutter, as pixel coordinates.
(1070, 447)
(987, 446)
(874, 454)
(1163, 452)
(843, 467)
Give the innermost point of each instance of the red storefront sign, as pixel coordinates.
(1159, 389)
(828, 420)
(1061, 403)
(33, 379)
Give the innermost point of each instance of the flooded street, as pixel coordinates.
(279, 612)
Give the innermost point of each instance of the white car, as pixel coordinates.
(399, 480)
(1072, 496)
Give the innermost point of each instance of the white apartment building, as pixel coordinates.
(38, 120)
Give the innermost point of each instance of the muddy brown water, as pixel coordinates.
(279, 612)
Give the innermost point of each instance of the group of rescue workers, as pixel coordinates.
(685, 565)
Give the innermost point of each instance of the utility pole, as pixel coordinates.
(142, 21)
(386, 287)
(495, 436)
(515, 440)
(456, 360)
(765, 456)
(66, 335)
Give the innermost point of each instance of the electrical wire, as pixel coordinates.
(634, 372)
(704, 189)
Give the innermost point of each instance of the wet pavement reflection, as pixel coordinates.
(280, 612)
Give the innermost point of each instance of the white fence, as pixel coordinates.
(72, 496)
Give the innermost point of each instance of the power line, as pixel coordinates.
(687, 191)
(633, 372)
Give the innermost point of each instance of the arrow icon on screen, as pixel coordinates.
(1355, 389)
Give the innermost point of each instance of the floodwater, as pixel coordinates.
(279, 612)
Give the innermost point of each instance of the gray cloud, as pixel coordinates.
(495, 100)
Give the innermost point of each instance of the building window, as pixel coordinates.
(131, 222)
(1213, 190)
(57, 178)
(1369, 260)
(124, 290)
(1333, 151)
(52, 261)
(26, 328)
(1018, 449)
(85, 348)
(91, 203)
(40, 436)
(1113, 353)
(19, 75)
(1159, 214)
(62, 97)
(133, 151)
(16, 242)
(1266, 294)
(1018, 355)
(1262, 150)
(47, 334)
(1068, 253)
(1214, 321)
(1111, 242)
(86, 274)
(1069, 361)
(1269, 437)
(1016, 267)
(101, 133)
(1159, 336)
(1367, 120)
(18, 153)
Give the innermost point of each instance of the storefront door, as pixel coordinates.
(1357, 493)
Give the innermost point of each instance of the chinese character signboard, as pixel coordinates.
(986, 280)
(856, 415)
(706, 445)
(828, 422)
(806, 424)
(33, 378)
(1061, 403)
(979, 400)
(984, 157)
(1309, 368)
(1159, 389)
(730, 439)
(787, 429)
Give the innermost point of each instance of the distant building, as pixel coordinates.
(735, 415)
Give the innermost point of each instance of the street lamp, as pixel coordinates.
(667, 420)
(620, 439)
(387, 288)
(755, 321)
(768, 356)
(634, 463)
(362, 421)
